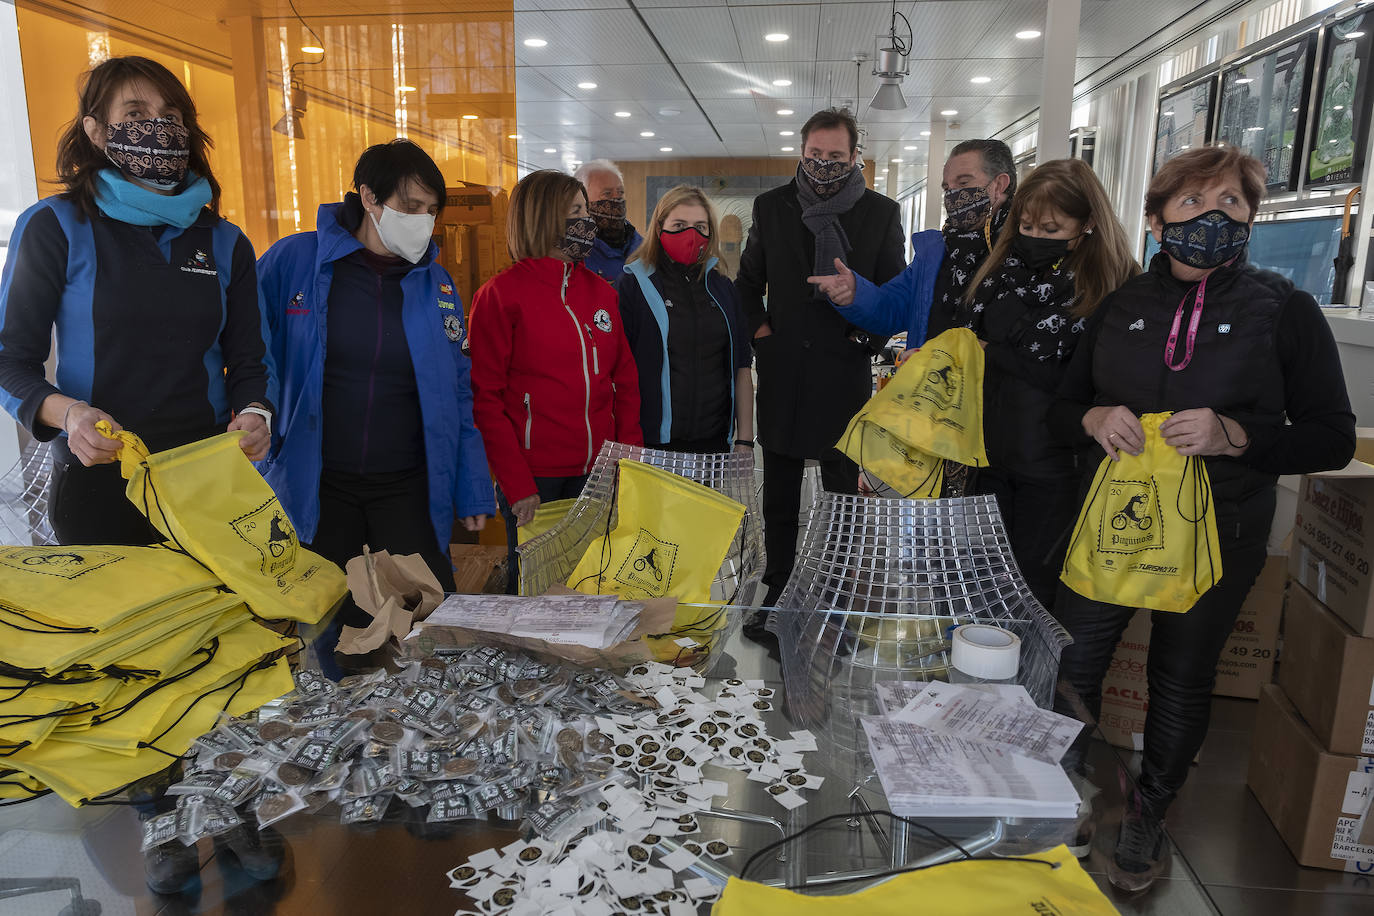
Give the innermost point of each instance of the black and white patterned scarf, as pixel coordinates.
(1027, 311)
(964, 254)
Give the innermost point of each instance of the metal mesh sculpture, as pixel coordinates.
(24, 498)
(549, 558)
(891, 576)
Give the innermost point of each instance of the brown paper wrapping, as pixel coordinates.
(398, 591)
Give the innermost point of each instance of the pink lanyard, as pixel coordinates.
(1194, 320)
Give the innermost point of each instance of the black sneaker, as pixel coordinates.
(259, 852)
(1141, 850)
(172, 868)
(756, 628)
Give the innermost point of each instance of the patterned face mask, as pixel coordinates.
(609, 215)
(578, 236)
(826, 176)
(1205, 241)
(155, 151)
(967, 208)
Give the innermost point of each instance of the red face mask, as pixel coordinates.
(685, 245)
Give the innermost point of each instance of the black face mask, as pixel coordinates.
(1039, 253)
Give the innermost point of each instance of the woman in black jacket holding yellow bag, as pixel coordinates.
(1248, 366)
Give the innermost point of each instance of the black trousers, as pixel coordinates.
(1184, 648)
(384, 511)
(549, 490)
(88, 505)
(1039, 515)
(782, 480)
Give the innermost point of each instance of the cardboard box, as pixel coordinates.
(1318, 801)
(1247, 661)
(484, 254)
(1125, 692)
(1328, 674)
(1333, 542)
(469, 205)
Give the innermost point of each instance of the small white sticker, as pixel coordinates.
(1344, 844)
(1359, 788)
(1367, 746)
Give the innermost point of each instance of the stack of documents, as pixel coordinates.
(594, 621)
(957, 750)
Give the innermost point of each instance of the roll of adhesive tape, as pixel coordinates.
(986, 652)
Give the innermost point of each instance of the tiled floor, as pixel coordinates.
(1227, 856)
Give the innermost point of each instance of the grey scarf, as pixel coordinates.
(822, 216)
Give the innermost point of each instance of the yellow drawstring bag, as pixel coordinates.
(670, 538)
(79, 773)
(1054, 883)
(545, 517)
(911, 472)
(1147, 534)
(92, 588)
(931, 409)
(211, 502)
(151, 631)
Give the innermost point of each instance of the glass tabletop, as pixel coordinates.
(54, 856)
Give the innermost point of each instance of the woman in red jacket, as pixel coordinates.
(552, 374)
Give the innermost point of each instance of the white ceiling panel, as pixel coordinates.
(621, 81)
(718, 49)
(695, 35)
(799, 22)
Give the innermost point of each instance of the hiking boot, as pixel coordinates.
(259, 851)
(172, 868)
(1141, 850)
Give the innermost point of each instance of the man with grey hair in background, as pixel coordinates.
(616, 238)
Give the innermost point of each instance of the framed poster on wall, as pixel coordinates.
(1338, 142)
(1185, 119)
(1264, 108)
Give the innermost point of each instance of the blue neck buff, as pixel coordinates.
(121, 199)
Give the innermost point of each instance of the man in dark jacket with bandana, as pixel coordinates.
(813, 366)
(616, 237)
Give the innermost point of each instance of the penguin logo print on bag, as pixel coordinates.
(51, 561)
(649, 565)
(269, 530)
(944, 383)
(1129, 515)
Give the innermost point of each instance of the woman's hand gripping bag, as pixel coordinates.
(932, 409)
(1147, 533)
(210, 501)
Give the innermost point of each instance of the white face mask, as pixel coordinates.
(405, 235)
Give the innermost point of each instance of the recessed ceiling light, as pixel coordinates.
(1166, 114)
(785, 133)
(514, 137)
(1027, 34)
(885, 170)
(1243, 80)
(925, 133)
(586, 85)
(646, 133)
(981, 79)
(1249, 129)
(1347, 35)
(781, 83)
(910, 147)
(469, 117)
(665, 149)
(535, 42)
(1338, 108)
(312, 49)
(949, 113)
(405, 88)
(775, 36)
(622, 114)
(789, 149)
(894, 160)
(784, 111)
(669, 112)
(550, 149)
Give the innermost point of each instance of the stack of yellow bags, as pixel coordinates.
(114, 659)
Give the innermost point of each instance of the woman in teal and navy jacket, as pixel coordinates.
(375, 442)
(688, 333)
